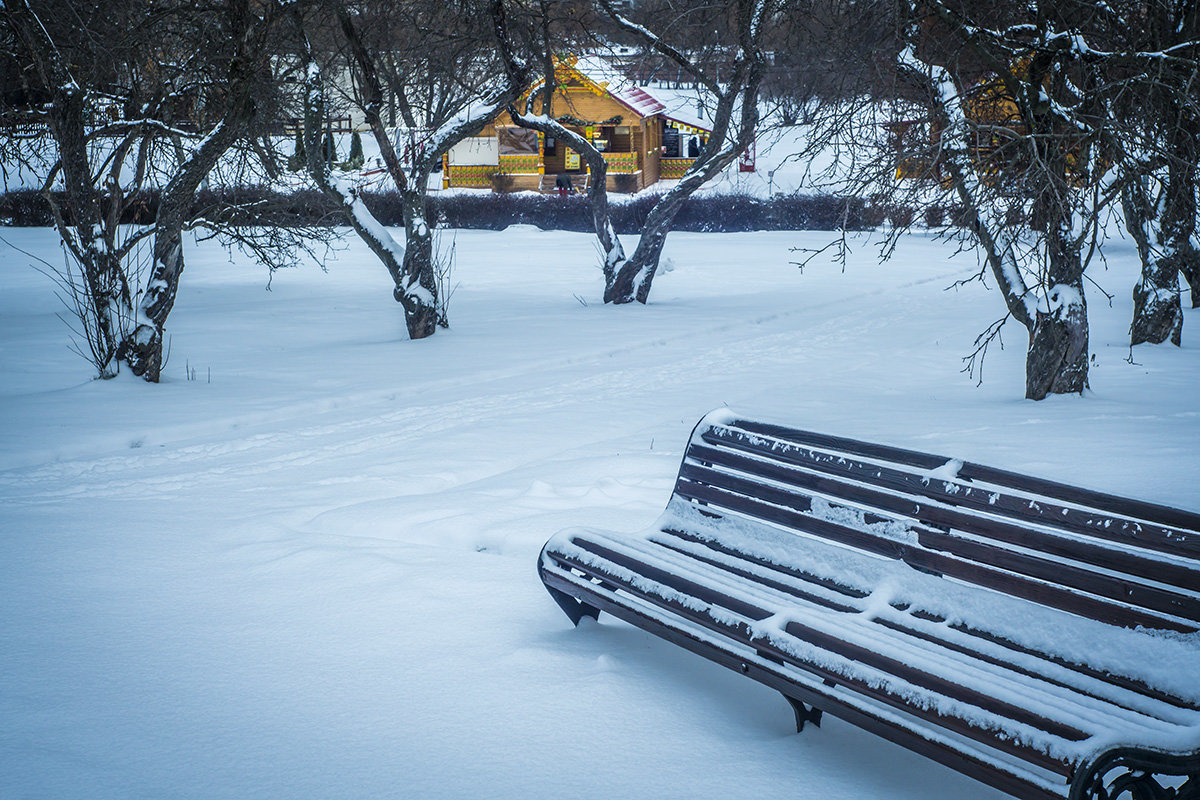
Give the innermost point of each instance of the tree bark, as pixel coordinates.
(142, 349)
(632, 281)
(1057, 361)
(1157, 311)
(420, 308)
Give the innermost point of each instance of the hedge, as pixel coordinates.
(496, 211)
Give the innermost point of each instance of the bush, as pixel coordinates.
(625, 182)
(901, 216)
(355, 159)
(25, 208)
(496, 211)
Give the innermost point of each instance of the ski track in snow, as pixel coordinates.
(328, 590)
(244, 456)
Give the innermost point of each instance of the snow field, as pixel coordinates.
(314, 576)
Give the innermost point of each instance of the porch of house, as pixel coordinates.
(530, 161)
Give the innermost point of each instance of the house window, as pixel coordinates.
(517, 141)
(551, 146)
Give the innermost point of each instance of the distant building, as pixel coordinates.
(646, 134)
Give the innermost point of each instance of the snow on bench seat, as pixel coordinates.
(1018, 630)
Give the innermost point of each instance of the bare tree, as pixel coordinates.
(1155, 80)
(536, 113)
(249, 38)
(1018, 132)
(89, 223)
(437, 63)
(140, 99)
(732, 85)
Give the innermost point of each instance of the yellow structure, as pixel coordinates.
(642, 139)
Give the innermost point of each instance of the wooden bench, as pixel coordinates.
(1038, 637)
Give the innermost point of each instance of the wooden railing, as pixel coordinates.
(621, 162)
(672, 168)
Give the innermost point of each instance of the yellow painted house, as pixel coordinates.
(646, 136)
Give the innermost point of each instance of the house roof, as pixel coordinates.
(645, 101)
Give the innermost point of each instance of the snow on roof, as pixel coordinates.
(682, 106)
(678, 105)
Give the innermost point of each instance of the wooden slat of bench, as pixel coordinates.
(937, 684)
(760, 578)
(944, 640)
(868, 687)
(1045, 511)
(771, 675)
(676, 582)
(1188, 522)
(935, 636)
(809, 577)
(862, 540)
(939, 563)
(1121, 681)
(1115, 588)
(935, 514)
(743, 636)
(635, 560)
(1112, 587)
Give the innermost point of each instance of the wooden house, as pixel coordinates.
(645, 135)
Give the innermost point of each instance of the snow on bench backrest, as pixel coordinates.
(1048, 548)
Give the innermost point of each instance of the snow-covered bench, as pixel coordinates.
(1036, 636)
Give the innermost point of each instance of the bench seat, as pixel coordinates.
(974, 622)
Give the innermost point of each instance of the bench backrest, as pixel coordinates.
(1113, 559)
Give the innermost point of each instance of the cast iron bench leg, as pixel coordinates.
(804, 713)
(572, 607)
(1130, 772)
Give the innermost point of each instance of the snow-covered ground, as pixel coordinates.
(309, 572)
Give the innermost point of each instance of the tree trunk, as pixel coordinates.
(1189, 265)
(1057, 361)
(1157, 311)
(103, 303)
(411, 265)
(420, 307)
(726, 142)
(633, 280)
(1152, 219)
(90, 238)
(142, 349)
